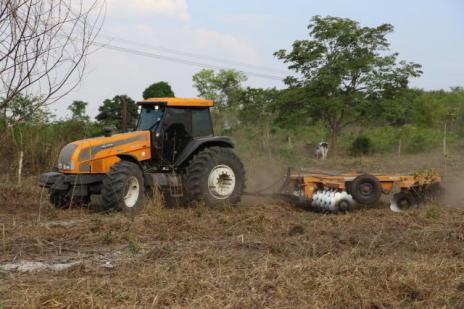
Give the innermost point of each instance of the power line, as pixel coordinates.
(182, 61)
(194, 55)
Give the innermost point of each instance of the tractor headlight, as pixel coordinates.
(68, 166)
(65, 161)
(65, 166)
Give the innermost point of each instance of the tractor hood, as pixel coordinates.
(97, 155)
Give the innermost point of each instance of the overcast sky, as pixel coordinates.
(248, 32)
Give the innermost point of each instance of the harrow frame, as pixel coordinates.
(305, 185)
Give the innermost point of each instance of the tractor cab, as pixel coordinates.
(174, 123)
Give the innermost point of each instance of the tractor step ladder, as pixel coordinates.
(175, 186)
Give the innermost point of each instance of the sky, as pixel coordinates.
(244, 34)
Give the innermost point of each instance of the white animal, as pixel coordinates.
(321, 150)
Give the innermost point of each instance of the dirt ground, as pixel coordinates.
(258, 254)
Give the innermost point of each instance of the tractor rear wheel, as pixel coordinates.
(123, 187)
(215, 176)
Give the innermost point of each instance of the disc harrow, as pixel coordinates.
(334, 192)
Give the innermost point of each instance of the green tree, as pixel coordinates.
(158, 90)
(257, 106)
(395, 111)
(110, 112)
(78, 111)
(26, 109)
(431, 108)
(344, 69)
(257, 109)
(222, 87)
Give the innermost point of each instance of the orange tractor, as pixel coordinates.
(173, 147)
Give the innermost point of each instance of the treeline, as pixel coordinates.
(345, 88)
(412, 121)
(265, 118)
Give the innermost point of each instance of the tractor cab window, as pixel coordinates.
(201, 123)
(149, 118)
(177, 132)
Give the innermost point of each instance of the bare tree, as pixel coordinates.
(44, 45)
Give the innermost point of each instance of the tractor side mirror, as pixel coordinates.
(107, 131)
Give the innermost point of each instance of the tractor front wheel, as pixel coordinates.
(215, 176)
(123, 187)
(64, 199)
(60, 200)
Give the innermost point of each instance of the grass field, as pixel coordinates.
(258, 254)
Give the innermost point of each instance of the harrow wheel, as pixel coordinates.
(366, 189)
(344, 205)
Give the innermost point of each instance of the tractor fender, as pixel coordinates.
(130, 158)
(200, 143)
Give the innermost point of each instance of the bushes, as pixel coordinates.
(362, 145)
(40, 143)
(417, 143)
(298, 144)
(388, 139)
(424, 140)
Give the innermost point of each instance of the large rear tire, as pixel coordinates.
(215, 176)
(123, 187)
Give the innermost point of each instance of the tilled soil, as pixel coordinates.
(259, 254)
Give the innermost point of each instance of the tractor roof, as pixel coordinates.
(178, 102)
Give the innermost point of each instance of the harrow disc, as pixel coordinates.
(403, 201)
(431, 193)
(332, 201)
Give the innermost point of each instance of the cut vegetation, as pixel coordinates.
(257, 254)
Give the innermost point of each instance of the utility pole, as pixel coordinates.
(4, 118)
(450, 117)
(123, 113)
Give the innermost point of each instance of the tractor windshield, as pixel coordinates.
(150, 117)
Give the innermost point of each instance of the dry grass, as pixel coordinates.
(259, 254)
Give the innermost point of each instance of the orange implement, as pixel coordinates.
(326, 191)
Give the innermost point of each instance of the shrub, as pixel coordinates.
(417, 143)
(361, 145)
(424, 139)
